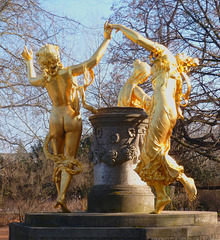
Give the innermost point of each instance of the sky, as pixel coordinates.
(92, 14)
(80, 10)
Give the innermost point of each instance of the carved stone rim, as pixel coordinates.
(123, 114)
(122, 110)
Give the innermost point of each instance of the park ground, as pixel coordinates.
(4, 233)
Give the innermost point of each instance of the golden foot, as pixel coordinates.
(191, 189)
(56, 206)
(63, 206)
(160, 205)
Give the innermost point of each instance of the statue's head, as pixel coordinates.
(49, 58)
(141, 72)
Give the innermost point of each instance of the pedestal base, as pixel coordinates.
(115, 226)
(121, 198)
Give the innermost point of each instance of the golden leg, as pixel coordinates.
(162, 198)
(189, 186)
(64, 185)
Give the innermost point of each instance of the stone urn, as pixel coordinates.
(118, 134)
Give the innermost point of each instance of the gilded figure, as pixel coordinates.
(65, 125)
(156, 167)
(131, 95)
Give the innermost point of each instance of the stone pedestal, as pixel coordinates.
(168, 225)
(117, 140)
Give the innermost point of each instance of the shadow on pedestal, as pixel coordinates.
(120, 198)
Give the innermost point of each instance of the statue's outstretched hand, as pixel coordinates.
(107, 31)
(27, 55)
(112, 26)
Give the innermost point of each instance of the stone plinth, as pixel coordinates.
(117, 140)
(168, 225)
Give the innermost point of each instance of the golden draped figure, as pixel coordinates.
(156, 167)
(65, 125)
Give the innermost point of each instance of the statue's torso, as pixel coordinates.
(58, 88)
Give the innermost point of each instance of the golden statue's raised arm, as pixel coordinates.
(134, 37)
(28, 57)
(96, 57)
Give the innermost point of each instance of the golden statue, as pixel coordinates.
(65, 125)
(156, 167)
(131, 95)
